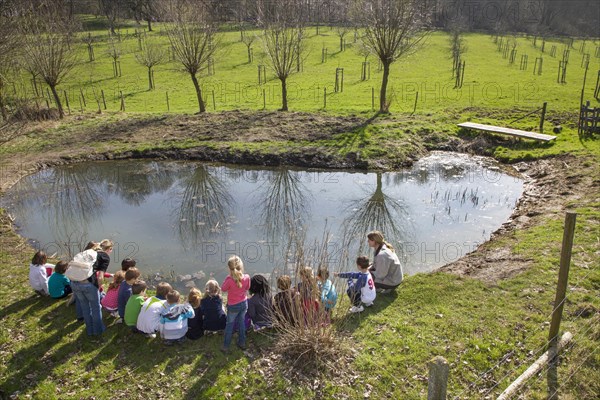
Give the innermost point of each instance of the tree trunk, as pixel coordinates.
(198, 93)
(150, 84)
(341, 43)
(61, 113)
(149, 20)
(249, 55)
(383, 107)
(3, 108)
(284, 105)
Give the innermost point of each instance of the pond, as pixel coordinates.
(187, 218)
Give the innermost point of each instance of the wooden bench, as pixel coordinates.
(508, 131)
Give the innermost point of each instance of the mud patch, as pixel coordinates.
(550, 185)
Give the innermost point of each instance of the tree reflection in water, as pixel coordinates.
(285, 204)
(135, 181)
(376, 211)
(205, 206)
(75, 200)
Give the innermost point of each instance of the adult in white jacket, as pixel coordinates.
(386, 268)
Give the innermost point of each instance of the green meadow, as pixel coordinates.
(488, 332)
(490, 81)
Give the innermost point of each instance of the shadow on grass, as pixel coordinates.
(348, 322)
(30, 365)
(586, 139)
(33, 303)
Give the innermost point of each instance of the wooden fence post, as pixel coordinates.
(438, 379)
(372, 98)
(122, 101)
(559, 302)
(563, 275)
(67, 101)
(543, 117)
(416, 100)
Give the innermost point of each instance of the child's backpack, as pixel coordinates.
(82, 265)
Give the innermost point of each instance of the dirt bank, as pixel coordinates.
(550, 185)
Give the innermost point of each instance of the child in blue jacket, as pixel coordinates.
(361, 288)
(173, 319)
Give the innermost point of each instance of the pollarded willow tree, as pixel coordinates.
(392, 29)
(283, 24)
(47, 51)
(192, 33)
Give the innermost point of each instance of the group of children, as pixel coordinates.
(165, 313)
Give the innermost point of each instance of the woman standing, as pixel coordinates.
(386, 268)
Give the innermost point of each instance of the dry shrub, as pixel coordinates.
(307, 339)
(27, 110)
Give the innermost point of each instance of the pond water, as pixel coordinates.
(187, 218)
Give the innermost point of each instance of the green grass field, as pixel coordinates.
(489, 333)
(489, 80)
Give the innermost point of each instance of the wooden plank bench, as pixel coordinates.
(508, 131)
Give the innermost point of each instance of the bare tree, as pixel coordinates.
(193, 37)
(89, 41)
(46, 47)
(147, 10)
(341, 22)
(392, 29)
(151, 55)
(114, 51)
(248, 38)
(110, 9)
(283, 24)
(457, 48)
(342, 30)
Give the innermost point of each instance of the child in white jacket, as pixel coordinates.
(38, 273)
(361, 288)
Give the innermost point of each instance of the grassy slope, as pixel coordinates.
(476, 327)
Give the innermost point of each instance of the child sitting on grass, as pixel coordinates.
(211, 307)
(260, 305)
(195, 324)
(148, 321)
(361, 288)
(59, 286)
(173, 320)
(285, 302)
(110, 302)
(131, 276)
(134, 304)
(38, 273)
(328, 292)
(307, 288)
